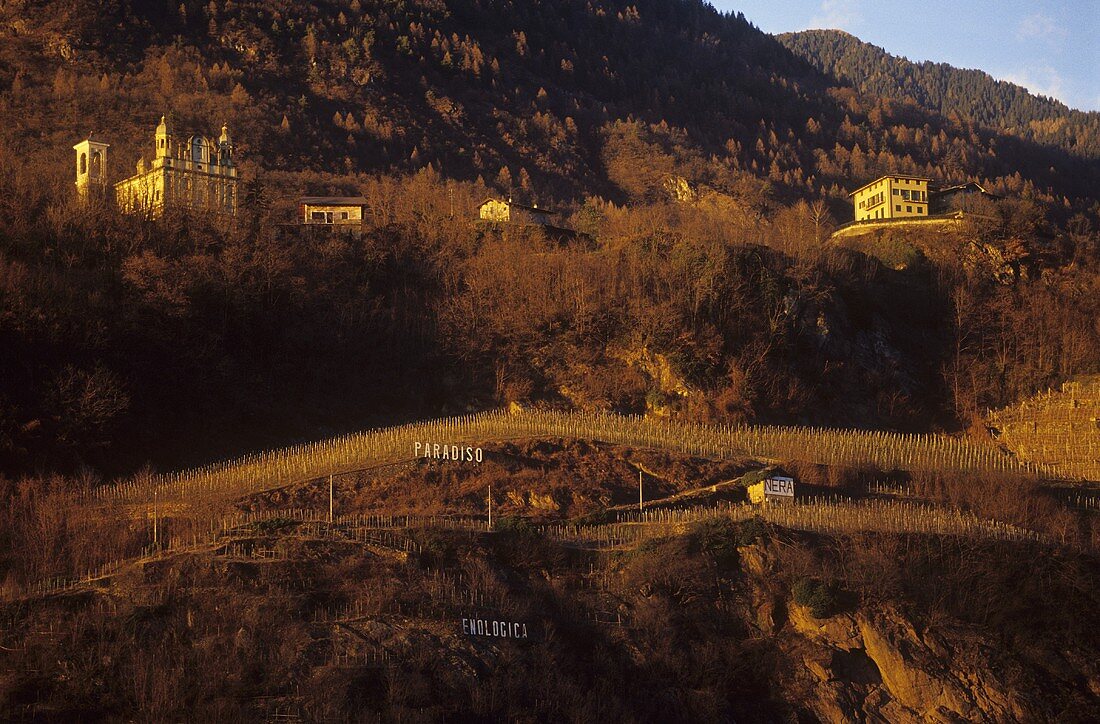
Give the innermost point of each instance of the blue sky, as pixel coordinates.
(1051, 47)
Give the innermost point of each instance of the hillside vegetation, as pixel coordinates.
(829, 611)
(1059, 429)
(954, 92)
(696, 331)
(553, 100)
(702, 163)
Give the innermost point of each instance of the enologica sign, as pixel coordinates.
(496, 629)
(443, 451)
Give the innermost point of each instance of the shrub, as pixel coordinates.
(751, 531)
(818, 596)
(755, 476)
(718, 538)
(596, 517)
(516, 526)
(274, 525)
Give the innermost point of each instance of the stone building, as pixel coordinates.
(91, 168)
(331, 210)
(195, 175)
(496, 210)
(892, 197)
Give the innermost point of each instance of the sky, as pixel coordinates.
(1051, 47)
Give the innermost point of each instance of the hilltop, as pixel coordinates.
(702, 161)
(552, 99)
(950, 91)
(699, 331)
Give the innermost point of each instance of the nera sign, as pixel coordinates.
(779, 487)
(494, 629)
(443, 451)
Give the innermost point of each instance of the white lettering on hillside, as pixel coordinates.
(453, 453)
(494, 629)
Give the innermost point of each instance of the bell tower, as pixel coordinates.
(163, 139)
(91, 168)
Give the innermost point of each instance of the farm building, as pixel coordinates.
(892, 197)
(496, 210)
(947, 198)
(910, 198)
(331, 210)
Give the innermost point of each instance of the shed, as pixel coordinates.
(509, 211)
(335, 210)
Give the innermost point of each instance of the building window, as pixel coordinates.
(908, 209)
(317, 216)
(83, 163)
(897, 207)
(343, 216)
(920, 210)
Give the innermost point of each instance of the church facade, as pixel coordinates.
(195, 175)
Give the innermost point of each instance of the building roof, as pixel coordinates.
(518, 205)
(333, 200)
(890, 175)
(968, 186)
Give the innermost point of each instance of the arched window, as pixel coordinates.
(97, 165)
(198, 149)
(83, 163)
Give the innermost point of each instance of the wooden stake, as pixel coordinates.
(330, 499)
(154, 517)
(639, 491)
(490, 507)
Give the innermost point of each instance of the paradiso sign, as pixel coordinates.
(455, 453)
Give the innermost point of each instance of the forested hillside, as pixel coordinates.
(963, 93)
(125, 341)
(559, 99)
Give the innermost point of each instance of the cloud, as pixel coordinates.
(1042, 27)
(839, 14)
(1039, 79)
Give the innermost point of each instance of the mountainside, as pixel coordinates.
(947, 90)
(552, 99)
(508, 467)
(945, 596)
(703, 163)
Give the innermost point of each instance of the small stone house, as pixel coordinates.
(510, 212)
(331, 210)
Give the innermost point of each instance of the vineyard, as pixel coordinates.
(269, 470)
(236, 535)
(1059, 430)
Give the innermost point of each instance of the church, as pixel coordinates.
(196, 175)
